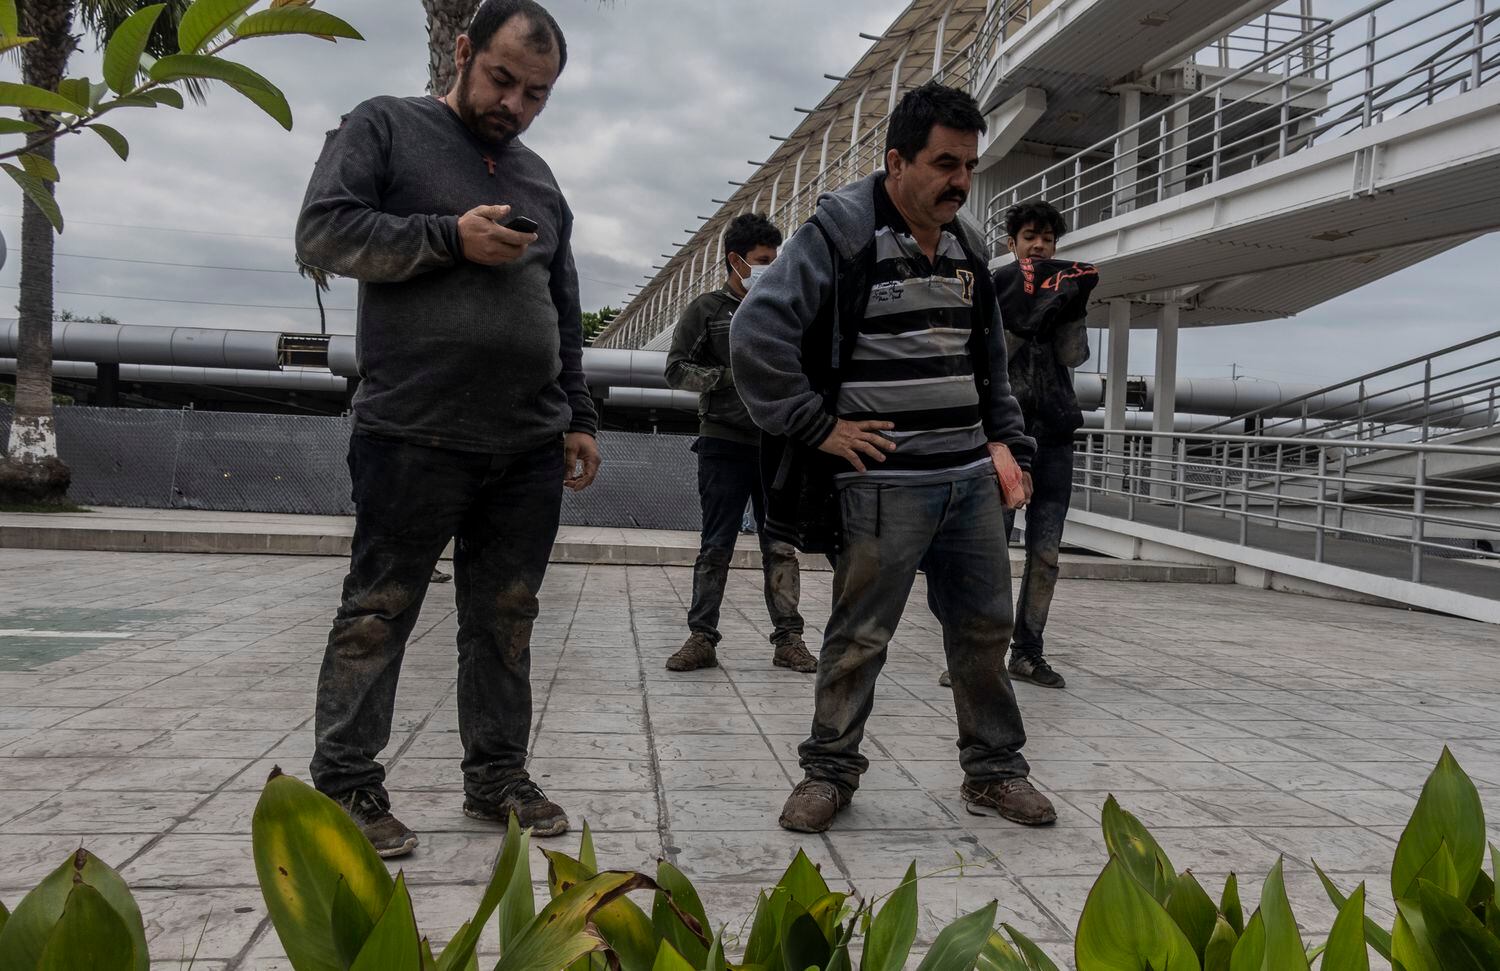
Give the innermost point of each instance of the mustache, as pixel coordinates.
(954, 195)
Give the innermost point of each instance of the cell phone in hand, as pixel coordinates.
(521, 224)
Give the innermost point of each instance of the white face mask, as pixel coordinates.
(756, 272)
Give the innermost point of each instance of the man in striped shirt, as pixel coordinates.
(875, 340)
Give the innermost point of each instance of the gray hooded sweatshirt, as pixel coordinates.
(767, 334)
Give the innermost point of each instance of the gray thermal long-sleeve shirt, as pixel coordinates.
(451, 354)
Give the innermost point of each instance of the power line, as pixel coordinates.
(163, 229)
(190, 266)
(201, 303)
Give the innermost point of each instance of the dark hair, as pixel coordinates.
(1034, 213)
(544, 35)
(748, 231)
(921, 108)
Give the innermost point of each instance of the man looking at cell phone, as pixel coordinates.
(472, 412)
(728, 449)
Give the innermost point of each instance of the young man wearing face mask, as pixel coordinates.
(728, 449)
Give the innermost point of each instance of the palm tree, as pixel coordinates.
(446, 19)
(31, 471)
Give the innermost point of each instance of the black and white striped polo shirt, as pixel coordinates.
(911, 364)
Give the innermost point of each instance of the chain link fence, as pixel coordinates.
(233, 462)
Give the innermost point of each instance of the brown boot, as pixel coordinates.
(812, 805)
(696, 652)
(1014, 799)
(792, 653)
(372, 814)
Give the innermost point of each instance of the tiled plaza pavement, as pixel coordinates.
(1239, 724)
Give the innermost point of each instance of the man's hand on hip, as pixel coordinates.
(851, 439)
(488, 243)
(580, 460)
(1015, 484)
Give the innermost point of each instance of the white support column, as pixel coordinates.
(1164, 401)
(775, 193)
(797, 179)
(1119, 373)
(1127, 150)
(939, 38)
(1177, 153)
(827, 134)
(896, 77)
(859, 107)
(755, 204)
(719, 258)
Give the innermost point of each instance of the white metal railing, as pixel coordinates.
(1176, 479)
(1324, 86)
(1265, 35)
(1441, 395)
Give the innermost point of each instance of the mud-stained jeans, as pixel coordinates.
(1046, 514)
(954, 533)
(728, 477)
(502, 512)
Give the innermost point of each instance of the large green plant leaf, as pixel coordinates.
(1346, 950)
(1193, 910)
(177, 67)
(1138, 852)
(1460, 941)
(10, 23)
(122, 55)
(998, 955)
(295, 20)
(90, 935)
(826, 911)
(587, 857)
(1230, 906)
(803, 944)
(350, 924)
(512, 867)
(113, 139)
(13, 95)
(559, 935)
(1250, 951)
(40, 167)
(624, 926)
(272, 102)
(36, 190)
(1376, 936)
(957, 946)
(763, 948)
(803, 881)
(1220, 950)
(1448, 811)
(1411, 949)
(4, 914)
(1284, 948)
(715, 960)
(677, 914)
(394, 944)
(15, 126)
(304, 843)
(840, 960)
(667, 959)
(1124, 928)
(1492, 911)
(1036, 958)
(894, 929)
(207, 19)
(30, 925)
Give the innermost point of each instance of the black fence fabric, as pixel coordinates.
(235, 462)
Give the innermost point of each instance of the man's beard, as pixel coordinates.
(497, 127)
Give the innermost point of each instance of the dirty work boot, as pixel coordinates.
(371, 812)
(532, 809)
(1014, 799)
(945, 679)
(812, 805)
(696, 652)
(792, 653)
(1034, 668)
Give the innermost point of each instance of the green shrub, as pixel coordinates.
(335, 907)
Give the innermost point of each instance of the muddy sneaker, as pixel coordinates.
(1014, 799)
(792, 653)
(1034, 668)
(697, 652)
(532, 808)
(945, 679)
(371, 812)
(811, 806)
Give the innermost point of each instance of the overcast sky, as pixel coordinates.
(662, 103)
